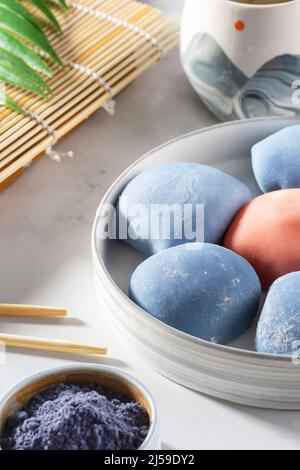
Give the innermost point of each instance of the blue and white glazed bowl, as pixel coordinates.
(243, 57)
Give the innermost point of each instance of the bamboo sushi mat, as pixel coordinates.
(106, 45)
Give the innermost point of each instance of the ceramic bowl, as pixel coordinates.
(243, 57)
(109, 377)
(236, 372)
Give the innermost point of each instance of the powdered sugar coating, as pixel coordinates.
(278, 330)
(211, 292)
(276, 160)
(182, 184)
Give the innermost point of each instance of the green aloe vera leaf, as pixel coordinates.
(12, 62)
(13, 77)
(42, 6)
(20, 26)
(6, 101)
(11, 44)
(16, 7)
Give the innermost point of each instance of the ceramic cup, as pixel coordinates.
(243, 57)
(109, 377)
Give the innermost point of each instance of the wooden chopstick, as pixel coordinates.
(31, 311)
(43, 344)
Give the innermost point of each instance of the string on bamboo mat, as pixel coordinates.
(106, 45)
(111, 104)
(109, 107)
(117, 21)
(50, 152)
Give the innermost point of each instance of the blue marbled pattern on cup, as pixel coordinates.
(229, 93)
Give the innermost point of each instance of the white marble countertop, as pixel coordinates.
(46, 220)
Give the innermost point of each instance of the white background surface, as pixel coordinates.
(45, 226)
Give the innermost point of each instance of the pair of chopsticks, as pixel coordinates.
(42, 344)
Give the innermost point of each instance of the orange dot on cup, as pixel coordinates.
(240, 25)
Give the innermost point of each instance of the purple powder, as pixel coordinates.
(77, 417)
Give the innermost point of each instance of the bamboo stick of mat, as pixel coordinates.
(70, 120)
(61, 99)
(92, 88)
(121, 41)
(104, 38)
(108, 70)
(69, 102)
(117, 54)
(32, 311)
(42, 344)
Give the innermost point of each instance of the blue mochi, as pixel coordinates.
(204, 290)
(183, 184)
(276, 160)
(278, 330)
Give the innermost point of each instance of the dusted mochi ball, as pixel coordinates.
(276, 160)
(201, 289)
(185, 186)
(278, 330)
(267, 233)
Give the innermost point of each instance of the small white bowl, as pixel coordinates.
(109, 377)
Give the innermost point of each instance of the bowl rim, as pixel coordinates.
(86, 367)
(262, 6)
(100, 265)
